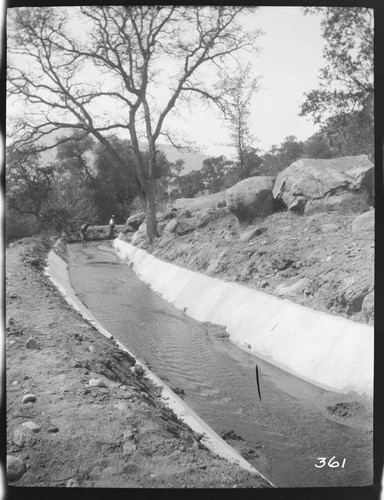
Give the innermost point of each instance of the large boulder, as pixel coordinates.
(135, 221)
(251, 198)
(313, 179)
(140, 236)
(368, 184)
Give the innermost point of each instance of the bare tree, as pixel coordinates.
(124, 54)
(239, 89)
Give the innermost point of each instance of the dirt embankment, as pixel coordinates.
(317, 261)
(78, 413)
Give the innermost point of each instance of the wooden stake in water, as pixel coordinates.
(258, 382)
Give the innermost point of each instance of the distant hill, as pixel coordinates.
(192, 160)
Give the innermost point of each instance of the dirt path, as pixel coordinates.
(77, 412)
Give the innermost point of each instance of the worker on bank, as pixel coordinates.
(112, 227)
(83, 234)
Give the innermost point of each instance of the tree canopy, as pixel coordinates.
(346, 81)
(118, 64)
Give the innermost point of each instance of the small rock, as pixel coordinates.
(11, 321)
(72, 483)
(129, 447)
(31, 426)
(96, 382)
(29, 398)
(91, 348)
(138, 369)
(53, 429)
(178, 390)
(31, 343)
(230, 435)
(23, 436)
(13, 296)
(15, 468)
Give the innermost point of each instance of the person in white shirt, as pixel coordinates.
(112, 227)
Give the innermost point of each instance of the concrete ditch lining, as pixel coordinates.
(57, 271)
(328, 351)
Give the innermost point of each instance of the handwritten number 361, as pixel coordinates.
(331, 462)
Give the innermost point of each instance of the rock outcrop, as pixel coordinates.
(342, 203)
(313, 179)
(251, 198)
(368, 184)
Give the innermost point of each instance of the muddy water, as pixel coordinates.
(288, 430)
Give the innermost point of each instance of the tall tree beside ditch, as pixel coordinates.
(343, 103)
(117, 64)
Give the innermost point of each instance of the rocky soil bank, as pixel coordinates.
(78, 412)
(324, 261)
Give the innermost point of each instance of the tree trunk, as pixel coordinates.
(150, 200)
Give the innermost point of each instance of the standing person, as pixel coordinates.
(112, 227)
(83, 233)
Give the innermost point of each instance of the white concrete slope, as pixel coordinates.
(329, 351)
(57, 271)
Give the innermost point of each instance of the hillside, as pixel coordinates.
(324, 261)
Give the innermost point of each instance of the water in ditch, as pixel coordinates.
(288, 429)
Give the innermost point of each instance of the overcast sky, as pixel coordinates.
(289, 63)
